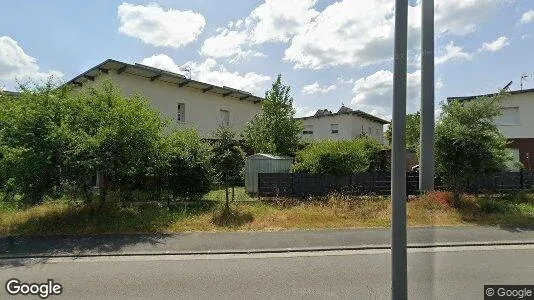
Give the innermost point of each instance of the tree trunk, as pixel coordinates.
(233, 196)
(456, 193)
(227, 203)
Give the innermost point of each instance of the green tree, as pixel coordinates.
(339, 157)
(228, 159)
(412, 132)
(468, 144)
(275, 130)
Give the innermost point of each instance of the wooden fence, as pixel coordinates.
(376, 183)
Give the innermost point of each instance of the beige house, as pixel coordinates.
(188, 103)
(516, 123)
(345, 124)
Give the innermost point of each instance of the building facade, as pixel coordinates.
(345, 124)
(516, 123)
(187, 103)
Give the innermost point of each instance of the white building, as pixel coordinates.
(188, 103)
(516, 123)
(346, 124)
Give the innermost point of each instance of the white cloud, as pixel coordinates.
(374, 93)
(496, 45)
(158, 27)
(315, 88)
(453, 53)
(161, 61)
(304, 112)
(210, 71)
(271, 21)
(16, 65)
(279, 20)
(228, 44)
(527, 17)
(461, 17)
(360, 33)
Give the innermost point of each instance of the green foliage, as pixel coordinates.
(183, 166)
(228, 158)
(412, 132)
(339, 157)
(467, 142)
(275, 130)
(53, 141)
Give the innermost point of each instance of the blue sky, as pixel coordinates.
(329, 52)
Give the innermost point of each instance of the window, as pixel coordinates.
(180, 116)
(370, 131)
(377, 132)
(334, 128)
(509, 116)
(308, 129)
(225, 117)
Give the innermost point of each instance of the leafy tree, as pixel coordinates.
(228, 159)
(184, 165)
(33, 139)
(412, 132)
(339, 157)
(275, 130)
(468, 144)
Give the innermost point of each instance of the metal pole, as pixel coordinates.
(426, 153)
(399, 282)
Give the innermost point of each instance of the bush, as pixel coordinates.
(339, 157)
(184, 165)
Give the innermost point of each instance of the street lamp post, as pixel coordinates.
(399, 281)
(426, 159)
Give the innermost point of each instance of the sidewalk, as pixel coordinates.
(254, 242)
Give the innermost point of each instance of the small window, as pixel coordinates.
(334, 128)
(308, 129)
(370, 130)
(362, 130)
(377, 132)
(180, 116)
(225, 117)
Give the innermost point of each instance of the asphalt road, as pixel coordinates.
(446, 273)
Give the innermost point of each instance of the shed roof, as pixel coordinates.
(153, 74)
(268, 156)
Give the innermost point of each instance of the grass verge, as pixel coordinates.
(336, 211)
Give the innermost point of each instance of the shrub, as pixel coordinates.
(183, 165)
(339, 157)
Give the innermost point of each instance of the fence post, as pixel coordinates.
(292, 185)
(521, 183)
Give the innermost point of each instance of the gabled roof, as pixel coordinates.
(464, 98)
(154, 74)
(345, 111)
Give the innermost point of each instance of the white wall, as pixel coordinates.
(525, 126)
(350, 127)
(202, 110)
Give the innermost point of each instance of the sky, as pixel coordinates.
(329, 52)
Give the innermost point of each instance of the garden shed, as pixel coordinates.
(264, 163)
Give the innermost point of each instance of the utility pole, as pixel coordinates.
(426, 159)
(399, 280)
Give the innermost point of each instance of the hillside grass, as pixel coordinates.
(335, 211)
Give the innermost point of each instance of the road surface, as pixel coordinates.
(439, 273)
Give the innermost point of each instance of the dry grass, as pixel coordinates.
(335, 211)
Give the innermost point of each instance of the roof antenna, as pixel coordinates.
(188, 70)
(524, 78)
(507, 86)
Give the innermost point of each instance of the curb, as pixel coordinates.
(270, 251)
